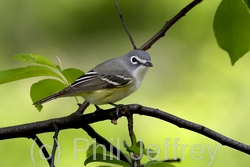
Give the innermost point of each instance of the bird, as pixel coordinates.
(108, 82)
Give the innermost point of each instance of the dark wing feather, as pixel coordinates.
(92, 81)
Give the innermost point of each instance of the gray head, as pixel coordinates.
(133, 63)
(137, 62)
(137, 58)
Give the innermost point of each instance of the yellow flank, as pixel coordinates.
(104, 96)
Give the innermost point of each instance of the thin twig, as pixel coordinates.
(55, 137)
(124, 25)
(93, 134)
(82, 108)
(169, 24)
(132, 136)
(138, 162)
(130, 128)
(42, 148)
(130, 131)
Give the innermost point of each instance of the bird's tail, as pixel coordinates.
(46, 99)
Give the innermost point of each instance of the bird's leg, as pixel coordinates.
(117, 108)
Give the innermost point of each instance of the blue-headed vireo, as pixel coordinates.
(109, 81)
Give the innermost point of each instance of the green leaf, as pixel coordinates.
(71, 74)
(139, 144)
(128, 156)
(138, 150)
(125, 144)
(232, 28)
(44, 88)
(150, 153)
(107, 159)
(34, 58)
(26, 72)
(247, 3)
(155, 163)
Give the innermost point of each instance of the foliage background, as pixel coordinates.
(191, 78)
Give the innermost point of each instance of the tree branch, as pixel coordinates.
(130, 128)
(93, 134)
(44, 150)
(55, 137)
(75, 122)
(169, 24)
(82, 108)
(131, 135)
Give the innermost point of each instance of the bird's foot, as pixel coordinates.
(118, 108)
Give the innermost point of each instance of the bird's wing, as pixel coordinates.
(88, 82)
(92, 81)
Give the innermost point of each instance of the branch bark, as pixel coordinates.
(74, 121)
(92, 133)
(55, 137)
(40, 144)
(169, 24)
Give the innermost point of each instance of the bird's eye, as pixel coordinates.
(134, 60)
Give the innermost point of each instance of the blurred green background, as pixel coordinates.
(191, 78)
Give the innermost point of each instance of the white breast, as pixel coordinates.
(138, 75)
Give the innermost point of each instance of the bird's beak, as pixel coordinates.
(148, 64)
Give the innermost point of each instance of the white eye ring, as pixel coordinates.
(134, 60)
